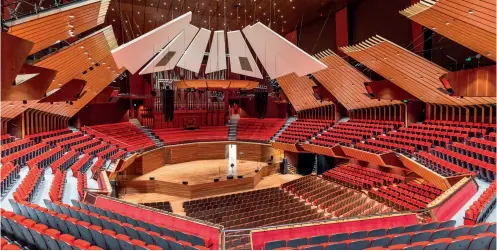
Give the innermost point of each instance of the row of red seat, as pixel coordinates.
(302, 130)
(348, 179)
(97, 166)
(172, 136)
(380, 122)
(68, 144)
(483, 144)
(438, 165)
(461, 123)
(6, 245)
(39, 136)
(81, 165)
(386, 142)
(15, 146)
(440, 138)
(21, 157)
(481, 208)
(52, 141)
(93, 151)
(108, 152)
(82, 184)
(485, 170)
(118, 155)
(259, 130)
(10, 173)
(81, 147)
(45, 159)
(65, 162)
(126, 133)
(6, 138)
(474, 152)
(29, 185)
(58, 184)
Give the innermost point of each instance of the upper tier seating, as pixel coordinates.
(123, 135)
(6, 138)
(58, 184)
(10, 173)
(334, 198)
(258, 130)
(82, 184)
(475, 128)
(481, 208)
(429, 236)
(162, 205)
(458, 155)
(302, 130)
(438, 165)
(410, 196)
(30, 185)
(39, 136)
(15, 146)
(172, 136)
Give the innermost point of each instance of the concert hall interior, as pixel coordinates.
(248, 124)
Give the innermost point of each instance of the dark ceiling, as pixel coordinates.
(131, 18)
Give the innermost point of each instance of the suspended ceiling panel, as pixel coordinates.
(241, 59)
(192, 59)
(14, 50)
(299, 92)
(171, 54)
(345, 82)
(100, 43)
(57, 24)
(217, 53)
(31, 84)
(279, 56)
(416, 75)
(237, 84)
(134, 54)
(469, 23)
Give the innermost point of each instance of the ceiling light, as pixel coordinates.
(138, 12)
(470, 11)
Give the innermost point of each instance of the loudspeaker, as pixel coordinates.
(184, 182)
(168, 104)
(239, 176)
(284, 166)
(151, 178)
(230, 177)
(216, 180)
(445, 82)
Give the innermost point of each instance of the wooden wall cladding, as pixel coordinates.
(217, 150)
(328, 151)
(299, 91)
(151, 160)
(286, 147)
(363, 155)
(33, 88)
(55, 25)
(424, 172)
(478, 82)
(69, 92)
(15, 50)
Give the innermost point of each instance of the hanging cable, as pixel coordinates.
(321, 32)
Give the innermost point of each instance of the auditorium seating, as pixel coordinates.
(406, 196)
(120, 154)
(123, 135)
(455, 156)
(65, 162)
(302, 130)
(6, 138)
(428, 236)
(39, 136)
(57, 187)
(82, 184)
(481, 208)
(68, 144)
(10, 174)
(94, 151)
(359, 177)
(173, 136)
(81, 165)
(438, 165)
(108, 152)
(21, 157)
(47, 158)
(30, 185)
(258, 130)
(15, 146)
(483, 143)
(6, 245)
(162, 205)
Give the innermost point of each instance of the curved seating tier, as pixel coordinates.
(123, 135)
(481, 208)
(302, 130)
(258, 130)
(173, 136)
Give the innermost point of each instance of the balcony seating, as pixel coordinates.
(39, 136)
(30, 185)
(10, 174)
(432, 235)
(6, 138)
(82, 184)
(380, 123)
(94, 151)
(483, 143)
(438, 165)
(108, 152)
(161, 205)
(358, 177)
(371, 147)
(121, 154)
(475, 127)
(258, 130)
(173, 136)
(58, 183)
(474, 152)
(81, 147)
(16, 146)
(97, 166)
(65, 162)
(21, 157)
(47, 158)
(484, 169)
(410, 196)
(52, 141)
(68, 144)
(302, 130)
(481, 208)
(81, 165)
(127, 135)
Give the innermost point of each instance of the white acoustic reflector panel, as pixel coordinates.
(217, 53)
(278, 56)
(192, 59)
(171, 54)
(134, 54)
(241, 60)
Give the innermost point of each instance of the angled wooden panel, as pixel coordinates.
(217, 53)
(319, 149)
(469, 23)
(384, 89)
(427, 174)
(285, 147)
(168, 57)
(192, 59)
(478, 82)
(416, 75)
(134, 54)
(299, 92)
(32, 89)
(345, 82)
(363, 155)
(68, 92)
(279, 56)
(241, 59)
(52, 26)
(15, 50)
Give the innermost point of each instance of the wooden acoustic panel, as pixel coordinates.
(363, 155)
(68, 92)
(32, 89)
(345, 82)
(328, 151)
(237, 84)
(15, 50)
(386, 90)
(104, 96)
(469, 23)
(58, 24)
(478, 82)
(299, 92)
(427, 174)
(411, 72)
(286, 147)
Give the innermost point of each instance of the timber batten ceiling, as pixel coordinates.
(100, 44)
(53, 26)
(469, 23)
(416, 75)
(345, 82)
(299, 92)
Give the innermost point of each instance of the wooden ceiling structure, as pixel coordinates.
(409, 71)
(238, 84)
(469, 23)
(77, 61)
(299, 92)
(345, 82)
(58, 24)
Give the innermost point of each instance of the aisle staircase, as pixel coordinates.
(147, 132)
(283, 128)
(233, 126)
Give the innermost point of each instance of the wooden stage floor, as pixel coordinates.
(197, 172)
(201, 171)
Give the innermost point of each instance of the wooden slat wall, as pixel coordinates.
(70, 63)
(409, 71)
(426, 173)
(474, 82)
(299, 92)
(363, 155)
(37, 121)
(469, 23)
(345, 82)
(47, 28)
